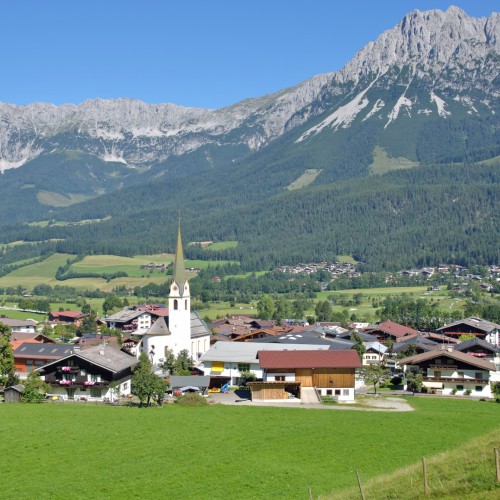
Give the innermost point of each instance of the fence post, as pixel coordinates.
(424, 469)
(310, 494)
(497, 464)
(359, 484)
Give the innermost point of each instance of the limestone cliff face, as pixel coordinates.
(452, 58)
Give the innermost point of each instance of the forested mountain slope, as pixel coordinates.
(421, 102)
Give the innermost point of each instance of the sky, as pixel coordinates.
(198, 53)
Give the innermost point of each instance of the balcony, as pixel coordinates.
(459, 380)
(444, 367)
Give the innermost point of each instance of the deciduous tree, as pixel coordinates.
(374, 375)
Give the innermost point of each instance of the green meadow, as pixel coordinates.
(58, 450)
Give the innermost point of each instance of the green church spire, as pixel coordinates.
(179, 267)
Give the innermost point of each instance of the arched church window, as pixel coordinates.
(186, 304)
(176, 305)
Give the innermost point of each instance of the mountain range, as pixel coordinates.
(419, 102)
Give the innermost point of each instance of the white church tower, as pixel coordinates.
(179, 303)
(175, 336)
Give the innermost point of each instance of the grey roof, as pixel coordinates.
(44, 351)
(200, 381)
(308, 337)
(159, 327)
(480, 324)
(198, 327)
(18, 322)
(108, 357)
(329, 330)
(375, 346)
(365, 337)
(18, 388)
(125, 315)
(246, 352)
(417, 340)
(476, 341)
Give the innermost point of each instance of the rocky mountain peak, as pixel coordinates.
(430, 40)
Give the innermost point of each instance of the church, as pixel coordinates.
(177, 328)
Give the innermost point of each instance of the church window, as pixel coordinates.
(176, 305)
(186, 304)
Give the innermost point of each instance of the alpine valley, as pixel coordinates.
(395, 160)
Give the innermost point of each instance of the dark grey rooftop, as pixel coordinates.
(44, 351)
(108, 357)
(473, 342)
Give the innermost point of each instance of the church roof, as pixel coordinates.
(179, 266)
(198, 327)
(159, 327)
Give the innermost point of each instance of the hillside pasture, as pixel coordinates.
(187, 452)
(37, 273)
(221, 245)
(110, 264)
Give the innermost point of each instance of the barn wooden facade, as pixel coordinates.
(331, 373)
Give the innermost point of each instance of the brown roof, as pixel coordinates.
(309, 359)
(395, 329)
(456, 355)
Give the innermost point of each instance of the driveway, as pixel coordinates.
(364, 402)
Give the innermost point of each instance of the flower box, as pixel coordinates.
(66, 368)
(88, 382)
(65, 382)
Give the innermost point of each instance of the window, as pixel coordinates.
(328, 392)
(279, 378)
(460, 387)
(176, 305)
(186, 305)
(478, 388)
(478, 375)
(125, 386)
(337, 392)
(437, 373)
(243, 367)
(345, 392)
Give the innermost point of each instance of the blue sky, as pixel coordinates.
(194, 52)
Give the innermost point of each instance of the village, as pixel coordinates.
(289, 361)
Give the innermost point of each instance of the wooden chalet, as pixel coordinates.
(485, 330)
(67, 317)
(90, 374)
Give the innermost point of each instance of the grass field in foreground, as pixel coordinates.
(214, 452)
(466, 473)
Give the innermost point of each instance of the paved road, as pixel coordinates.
(370, 403)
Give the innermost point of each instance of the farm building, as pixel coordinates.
(330, 373)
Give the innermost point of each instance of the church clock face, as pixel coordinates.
(174, 287)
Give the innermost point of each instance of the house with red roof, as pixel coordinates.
(306, 374)
(391, 330)
(67, 317)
